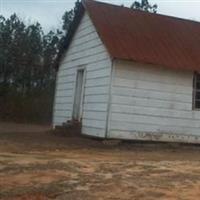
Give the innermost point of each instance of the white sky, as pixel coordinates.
(49, 12)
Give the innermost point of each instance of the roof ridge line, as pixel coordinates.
(84, 2)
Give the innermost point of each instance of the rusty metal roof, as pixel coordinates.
(146, 37)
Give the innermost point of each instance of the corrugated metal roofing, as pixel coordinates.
(146, 37)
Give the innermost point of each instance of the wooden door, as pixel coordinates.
(78, 99)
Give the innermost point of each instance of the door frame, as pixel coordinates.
(82, 93)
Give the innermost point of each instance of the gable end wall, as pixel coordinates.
(86, 50)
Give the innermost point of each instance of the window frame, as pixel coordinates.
(195, 90)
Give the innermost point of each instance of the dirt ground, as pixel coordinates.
(37, 165)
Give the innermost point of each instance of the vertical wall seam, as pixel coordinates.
(109, 100)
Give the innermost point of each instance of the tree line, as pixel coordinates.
(27, 65)
(28, 55)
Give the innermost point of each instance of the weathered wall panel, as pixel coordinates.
(152, 103)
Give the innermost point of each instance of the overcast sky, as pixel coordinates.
(49, 12)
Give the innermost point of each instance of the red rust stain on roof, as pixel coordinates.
(146, 37)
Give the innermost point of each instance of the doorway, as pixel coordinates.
(78, 98)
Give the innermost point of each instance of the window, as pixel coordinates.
(196, 91)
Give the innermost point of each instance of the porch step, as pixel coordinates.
(111, 142)
(70, 128)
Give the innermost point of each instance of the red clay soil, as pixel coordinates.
(35, 164)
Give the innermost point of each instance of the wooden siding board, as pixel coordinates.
(91, 66)
(143, 72)
(86, 50)
(96, 115)
(64, 86)
(89, 59)
(98, 73)
(101, 81)
(152, 119)
(94, 123)
(86, 53)
(64, 93)
(153, 86)
(66, 100)
(89, 37)
(152, 111)
(95, 132)
(146, 102)
(96, 90)
(153, 128)
(95, 107)
(168, 137)
(86, 46)
(96, 99)
(63, 113)
(152, 94)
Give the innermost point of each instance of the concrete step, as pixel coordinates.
(69, 128)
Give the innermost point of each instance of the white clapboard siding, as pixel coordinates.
(97, 90)
(151, 94)
(88, 45)
(152, 119)
(153, 86)
(85, 61)
(160, 74)
(95, 107)
(98, 73)
(155, 136)
(95, 132)
(146, 102)
(94, 123)
(151, 99)
(64, 93)
(151, 128)
(101, 98)
(86, 50)
(61, 99)
(152, 111)
(67, 106)
(86, 53)
(96, 115)
(101, 81)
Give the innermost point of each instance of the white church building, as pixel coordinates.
(129, 74)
